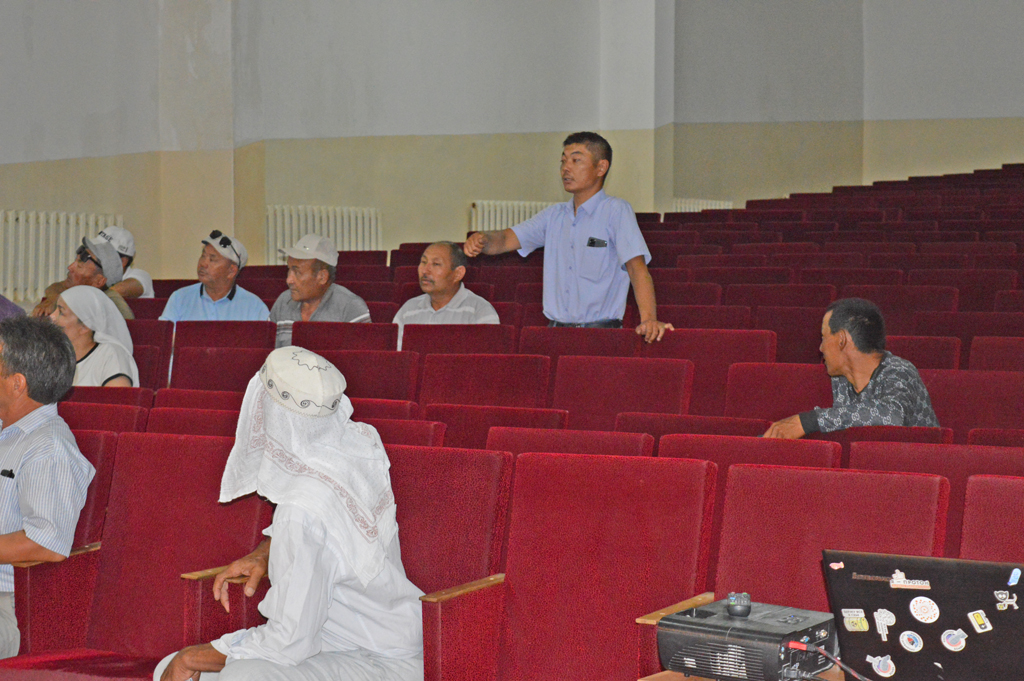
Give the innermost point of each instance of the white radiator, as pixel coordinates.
(351, 229)
(37, 247)
(697, 205)
(487, 216)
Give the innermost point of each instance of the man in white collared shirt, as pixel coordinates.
(445, 298)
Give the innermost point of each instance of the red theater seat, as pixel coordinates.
(557, 341)
(712, 352)
(468, 425)
(360, 259)
(993, 527)
(563, 506)
(743, 275)
(726, 451)
(154, 365)
(963, 400)
(266, 288)
(659, 425)
(381, 312)
(224, 335)
(511, 380)
(956, 463)
(163, 288)
(379, 375)
(122, 627)
(117, 418)
(100, 448)
(776, 391)
(926, 352)
(152, 332)
(608, 443)
(481, 339)
(147, 308)
(996, 437)
(368, 407)
(993, 353)
(231, 369)
(801, 261)
(798, 514)
(797, 330)
(919, 261)
(326, 336)
(722, 260)
(899, 304)
(595, 389)
(218, 422)
(943, 436)
(688, 293)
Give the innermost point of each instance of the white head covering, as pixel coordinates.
(296, 445)
(98, 312)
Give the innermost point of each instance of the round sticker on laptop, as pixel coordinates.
(954, 639)
(924, 609)
(911, 642)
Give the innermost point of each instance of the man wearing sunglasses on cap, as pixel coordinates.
(217, 297)
(96, 264)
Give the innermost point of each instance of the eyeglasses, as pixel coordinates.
(83, 256)
(225, 242)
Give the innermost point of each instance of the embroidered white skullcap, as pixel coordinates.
(303, 381)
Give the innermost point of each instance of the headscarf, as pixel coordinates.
(99, 314)
(295, 444)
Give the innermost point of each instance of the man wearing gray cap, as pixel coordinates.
(312, 295)
(96, 264)
(217, 297)
(135, 283)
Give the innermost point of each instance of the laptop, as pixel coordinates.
(909, 617)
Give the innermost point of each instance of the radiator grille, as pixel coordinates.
(36, 248)
(697, 205)
(351, 229)
(719, 659)
(486, 216)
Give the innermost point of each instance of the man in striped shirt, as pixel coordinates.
(43, 476)
(445, 299)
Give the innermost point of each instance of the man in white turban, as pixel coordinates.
(339, 605)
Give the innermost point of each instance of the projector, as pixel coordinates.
(736, 640)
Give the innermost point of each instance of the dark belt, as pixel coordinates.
(601, 324)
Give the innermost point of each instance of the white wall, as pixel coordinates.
(750, 61)
(936, 59)
(345, 68)
(77, 79)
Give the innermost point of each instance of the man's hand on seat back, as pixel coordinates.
(253, 566)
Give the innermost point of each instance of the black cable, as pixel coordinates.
(834, 660)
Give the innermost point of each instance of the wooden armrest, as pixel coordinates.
(77, 551)
(695, 602)
(213, 572)
(468, 587)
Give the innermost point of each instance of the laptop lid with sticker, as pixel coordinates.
(912, 617)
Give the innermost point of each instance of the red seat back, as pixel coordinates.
(776, 391)
(977, 288)
(926, 352)
(468, 425)
(381, 375)
(408, 431)
(967, 325)
(798, 513)
(595, 389)
(511, 380)
(995, 353)
(228, 369)
(99, 447)
(705, 316)
(117, 418)
(225, 335)
(658, 425)
(564, 506)
(482, 339)
(963, 400)
(139, 397)
(956, 463)
(198, 399)
(217, 422)
(326, 336)
(993, 527)
(935, 436)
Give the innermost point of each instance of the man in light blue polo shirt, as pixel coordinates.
(593, 248)
(217, 297)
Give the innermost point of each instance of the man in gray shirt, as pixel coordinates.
(445, 300)
(312, 295)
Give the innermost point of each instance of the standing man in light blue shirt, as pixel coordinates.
(593, 248)
(217, 297)
(43, 475)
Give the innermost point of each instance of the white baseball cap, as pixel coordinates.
(229, 247)
(121, 239)
(313, 247)
(110, 261)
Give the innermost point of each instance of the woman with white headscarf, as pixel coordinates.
(103, 346)
(340, 605)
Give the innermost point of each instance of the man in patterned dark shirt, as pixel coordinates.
(870, 386)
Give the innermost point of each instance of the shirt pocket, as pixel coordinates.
(594, 262)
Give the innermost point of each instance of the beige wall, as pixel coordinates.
(895, 150)
(741, 161)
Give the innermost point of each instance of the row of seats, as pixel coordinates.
(585, 516)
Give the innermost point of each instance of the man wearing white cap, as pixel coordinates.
(96, 264)
(217, 297)
(340, 605)
(312, 295)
